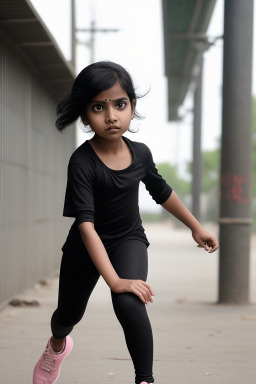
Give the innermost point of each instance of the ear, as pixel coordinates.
(84, 119)
(133, 105)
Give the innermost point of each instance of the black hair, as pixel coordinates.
(92, 80)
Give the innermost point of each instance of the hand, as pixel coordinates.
(138, 287)
(206, 240)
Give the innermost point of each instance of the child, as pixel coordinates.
(107, 237)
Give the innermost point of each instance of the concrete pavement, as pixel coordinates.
(196, 341)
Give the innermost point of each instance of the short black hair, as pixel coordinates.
(91, 81)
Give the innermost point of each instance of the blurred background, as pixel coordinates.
(175, 48)
(133, 35)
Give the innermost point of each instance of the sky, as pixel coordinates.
(138, 46)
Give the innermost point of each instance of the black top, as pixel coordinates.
(109, 198)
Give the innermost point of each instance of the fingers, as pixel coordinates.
(206, 240)
(203, 245)
(143, 291)
(211, 245)
(149, 287)
(141, 296)
(214, 248)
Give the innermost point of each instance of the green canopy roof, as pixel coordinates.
(185, 23)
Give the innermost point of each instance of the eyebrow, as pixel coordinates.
(104, 102)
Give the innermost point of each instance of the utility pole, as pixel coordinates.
(73, 34)
(201, 45)
(92, 30)
(235, 205)
(197, 153)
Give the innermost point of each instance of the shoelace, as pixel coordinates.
(48, 362)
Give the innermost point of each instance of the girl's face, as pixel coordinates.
(109, 113)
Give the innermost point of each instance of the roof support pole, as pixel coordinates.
(235, 210)
(197, 156)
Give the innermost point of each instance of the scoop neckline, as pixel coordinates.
(110, 169)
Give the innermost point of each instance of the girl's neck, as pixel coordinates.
(107, 146)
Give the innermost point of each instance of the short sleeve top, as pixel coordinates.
(109, 198)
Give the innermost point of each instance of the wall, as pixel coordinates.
(33, 166)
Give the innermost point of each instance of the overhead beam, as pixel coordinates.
(186, 36)
(36, 44)
(196, 15)
(18, 21)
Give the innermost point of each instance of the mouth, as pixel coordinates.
(113, 128)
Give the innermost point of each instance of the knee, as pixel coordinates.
(128, 307)
(65, 320)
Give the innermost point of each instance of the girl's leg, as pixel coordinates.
(78, 277)
(130, 260)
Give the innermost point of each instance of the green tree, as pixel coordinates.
(210, 184)
(179, 185)
(170, 174)
(210, 169)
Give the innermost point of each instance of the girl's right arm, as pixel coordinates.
(101, 260)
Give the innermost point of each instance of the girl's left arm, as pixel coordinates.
(204, 238)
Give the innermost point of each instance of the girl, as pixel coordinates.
(107, 237)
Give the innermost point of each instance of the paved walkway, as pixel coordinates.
(195, 340)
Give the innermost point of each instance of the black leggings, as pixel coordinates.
(78, 277)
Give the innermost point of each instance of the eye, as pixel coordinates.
(97, 107)
(121, 104)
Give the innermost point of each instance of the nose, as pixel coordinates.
(110, 114)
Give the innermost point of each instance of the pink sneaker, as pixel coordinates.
(144, 382)
(47, 369)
